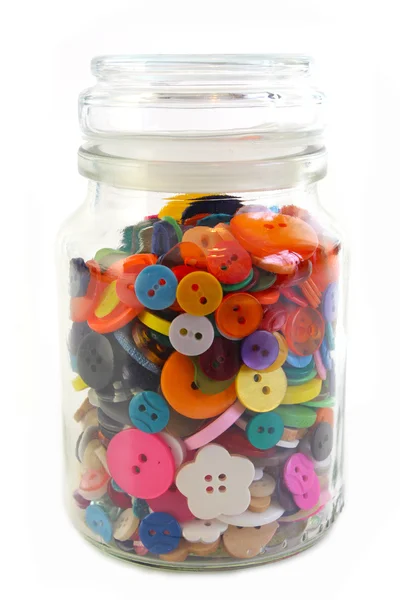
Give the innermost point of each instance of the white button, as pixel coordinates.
(176, 446)
(125, 526)
(252, 519)
(263, 487)
(191, 335)
(288, 444)
(203, 531)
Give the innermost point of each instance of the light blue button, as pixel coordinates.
(298, 361)
(149, 412)
(99, 522)
(155, 287)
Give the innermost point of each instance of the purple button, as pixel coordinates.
(259, 350)
(330, 303)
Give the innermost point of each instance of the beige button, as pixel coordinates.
(125, 526)
(82, 410)
(201, 549)
(247, 542)
(101, 454)
(90, 419)
(90, 458)
(290, 435)
(263, 487)
(259, 504)
(179, 554)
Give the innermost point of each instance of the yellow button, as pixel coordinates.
(155, 323)
(177, 204)
(296, 394)
(78, 384)
(260, 391)
(199, 293)
(108, 301)
(282, 355)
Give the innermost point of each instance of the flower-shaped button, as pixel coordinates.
(216, 483)
(203, 530)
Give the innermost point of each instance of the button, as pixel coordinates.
(180, 426)
(259, 350)
(282, 263)
(330, 303)
(253, 519)
(267, 297)
(205, 384)
(222, 360)
(204, 237)
(98, 521)
(248, 542)
(199, 293)
(154, 322)
(125, 285)
(264, 430)
(274, 318)
(95, 361)
(191, 335)
(117, 318)
(236, 442)
(242, 285)
(120, 499)
(325, 415)
(310, 498)
(165, 236)
(216, 427)
(260, 391)
(265, 280)
(285, 498)
(140, 508)
(125, 525)
(204, 531)
(304, 331)
(149, 345)
(160, 533)
(283, 351)
(263, 487)
(296, 394)
(108, 301)
(185, 397)
(216, 482)
(259, 504)
(298, 361)
(140, 463)
(155, 287)
(298, 473)
(173, 503)
(149, 412)
(176, 446)
(238, 315)
(184, 253)
(79, 277)
(126, 342)
(76, 335)
(93, 484)
(229, 262)
(322, 441)
(266, 233)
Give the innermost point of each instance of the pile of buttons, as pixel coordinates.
(205, 345)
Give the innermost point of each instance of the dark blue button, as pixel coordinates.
(160, 533)
(155, 287)
(149, 412)
(164, 237)
(79, 277)
(212, 204)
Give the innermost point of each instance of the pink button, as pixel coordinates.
(140, 463)
(174, 503)
(298, 473)
(310, 497)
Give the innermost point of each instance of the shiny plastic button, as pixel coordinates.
(199, 293)
(149, 412)
(229, 262)
(99, 522)
(264, 430)
(191, 335)
(304, 331)
(259, 350)
(222, 360)
(260, 391)
(238, 315)
(322, 441)
(155, 287)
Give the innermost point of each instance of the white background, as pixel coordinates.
(45, 56)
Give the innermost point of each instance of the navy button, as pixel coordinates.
(164, 237)
(155, 287)
(149, 412)
(118, 411)
(212, 204)
(95, 358)
(160, 533)
(79, 277)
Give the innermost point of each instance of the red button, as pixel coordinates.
(304, 330)
(229, 262)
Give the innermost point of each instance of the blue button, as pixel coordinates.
(79, 276)
(213, 220)
(160, 533)
(164, 237)
(155, 287)
(298, 361)
(149, 412)
(325, 355)
(99, 522)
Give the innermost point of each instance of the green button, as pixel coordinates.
(265, 281)
(296, 416)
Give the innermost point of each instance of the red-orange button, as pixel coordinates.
(304, 330)
(238, 315)
(229, 262)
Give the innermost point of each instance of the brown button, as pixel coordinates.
(290, 435)
(259, 504)
(262, 487)
(201, 549)
(247, 542)
(179, 554)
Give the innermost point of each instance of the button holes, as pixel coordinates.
(260, 429)
(162, 282)
(222, 477)
(166, 532)
(208, 478)
(305, 496)
(195, 287)
(194, 386)
(241, 320)
(305, 478)
(224, 267)
(236, 308)
(183, 331)
(282, 225)
(271, 430)
(198, 336)
(266, 390)
(203, 300)
(142, 458)
(268, 226)
(296, 469)
(135, 470)
(207, 524)
(93, 476)
(204, 242)
(255, 348)
(93, 368)
(264, 352)
(257, 378)
(222, 489)
(234, 257)
(151, 293)
(154, 417)
(151, 532)
(209, 489)
(142, 408)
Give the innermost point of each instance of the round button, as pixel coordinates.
(274, 318)
(238, 315)
(259, 350)
(310, 498)
(264, 430)
(125, 525)
(222, 360)
(205, 384)
(174, 503)
(330, 303)
(149, 412)
(79, 277)
(299, 417)
(229, 262)
(155, 287)
(160, 533)
(260, 391)
(191, 335)
(95, 360)
(296, 394)
(254, 519)
(298, 473)
(199, 293)
(304, 331)
(265, 280)
(99, 522)
(180, 391)
(322, 441)
(164, 237)
(298, 361)
(140, 463)
(236, 442)
(283, 351)
(93, 484)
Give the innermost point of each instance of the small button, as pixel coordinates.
(149, 412)
(310, 498)
(165, 237)
(160, 533)
(199, 293)
(304, 331)
(95, 360)
(260, 391)
(322, 441)
(296, 394)
(155, 287)
(263, 487)
(264, 430)
(238, 315)
(248, 542)
(191, 335)
(222, 360)
(99, 522)
(298, 473)
(259, 350)
(125, 525)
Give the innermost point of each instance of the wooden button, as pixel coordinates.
(247, 542)
(259, 505)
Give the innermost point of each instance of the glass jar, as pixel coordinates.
(202, 321)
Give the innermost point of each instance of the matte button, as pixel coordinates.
(222, 360)
(160, 533)
(260, 391)
(149, 412)
(155, 287)
(310, 498)
(264, 430)
(285, 498)
(95, 360)
(117, 318)
(296, 394)
(259, 350)
(191, 335)
(298, 473)
(322, 441)
(76, 335)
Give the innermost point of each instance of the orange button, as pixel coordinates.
(324, 415)
(185, 253)
(265, 297)
(304, 330)
(283, 263)
(120, 316)
(82, 307)
(265, 233)
(238, 315)
(179, 389)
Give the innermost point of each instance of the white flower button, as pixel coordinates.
(216, 483)
(205, 531)
(191, 335)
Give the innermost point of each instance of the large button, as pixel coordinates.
(304, 331)
(185, 397)
(248, 542)
(216, 482)
(199, 293)
(93, 484)
(260, 391)
(238, 315)
(140, 463)
(125, 525)
(322, 441)
(296, 394)
(274, 318)
(221, 361)
(155, 287)
(160, 533)
(259, 350)
(149, 412)
(95, 361)
(173, 503)
(310, 498)
(229, 262)
(191, 335)
(264, 430)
